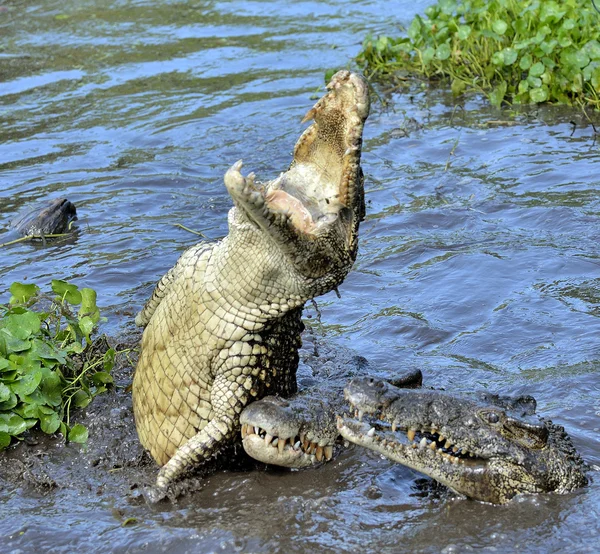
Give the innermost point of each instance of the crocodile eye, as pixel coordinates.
(490, 416)
(493, 417)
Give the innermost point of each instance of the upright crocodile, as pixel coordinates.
(485, 449)
(223, 326)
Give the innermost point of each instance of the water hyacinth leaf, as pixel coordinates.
(88, 305)
(68, 291)
(4, 439)
(447, 7)
(12, 424)
(538, 95)
(9, 403)
(509, 56)
(109, 359)
(415, 28)
(22, 293)
(49, 423)
(86, 325)
(81, 399)
(28, 382)
(537, 69)
(499, 26)
(525, 62)
(443, 52)
(463, 32)
(592, 49)
(497, 95)
(428, 55)
(78, 433)
(10, 344)
(47, 351)
(51, 389)
(102, 378)
(458, 87)
(595, 79)
(551, 12)
(5, 393)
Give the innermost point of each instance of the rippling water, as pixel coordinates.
(479, 259)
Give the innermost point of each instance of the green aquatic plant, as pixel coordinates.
(516, 51)
(49, 363)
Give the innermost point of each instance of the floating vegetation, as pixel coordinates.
(514, 51)
(49, 363)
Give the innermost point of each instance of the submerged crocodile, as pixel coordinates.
(223, 326)
(42, 219)
(486, 449)
(489, 448)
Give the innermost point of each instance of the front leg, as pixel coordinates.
(228, 398)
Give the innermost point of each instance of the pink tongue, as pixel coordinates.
(281, 201)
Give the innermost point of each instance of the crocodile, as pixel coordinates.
(481, 448)
(222, 327)
(45, 218)
(301, 431)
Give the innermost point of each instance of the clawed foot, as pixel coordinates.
(235, 181)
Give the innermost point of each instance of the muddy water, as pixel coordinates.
(479, 260)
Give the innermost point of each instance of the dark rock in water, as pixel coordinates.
(46, 218)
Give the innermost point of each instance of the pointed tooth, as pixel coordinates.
(243, 430)
(433, 431)
(297, 445)
(371, 432)
(411, 434)
(423, 443)
(305, 444)
(268, 439)
(455, 449)
(433, 446)
(360, 415)
(328, 451)
(302, 437)
(319, 453)
(256, 430)
(281, 445)
(448, 444)
(441, 439)
(394, 426)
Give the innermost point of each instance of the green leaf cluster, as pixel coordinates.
(48, 363)
(516, 51)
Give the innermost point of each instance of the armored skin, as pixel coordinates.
(223, 326)
(485, 449)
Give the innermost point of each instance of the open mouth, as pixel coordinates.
(402, 443)
(285, 451)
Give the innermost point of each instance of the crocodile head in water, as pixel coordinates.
(301, 431)
(476, 448)
(45, 218)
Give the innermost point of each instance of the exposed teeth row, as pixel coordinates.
(440, 445)
(297, 443)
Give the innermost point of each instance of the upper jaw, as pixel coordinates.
(312, 210)
(274, 432)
